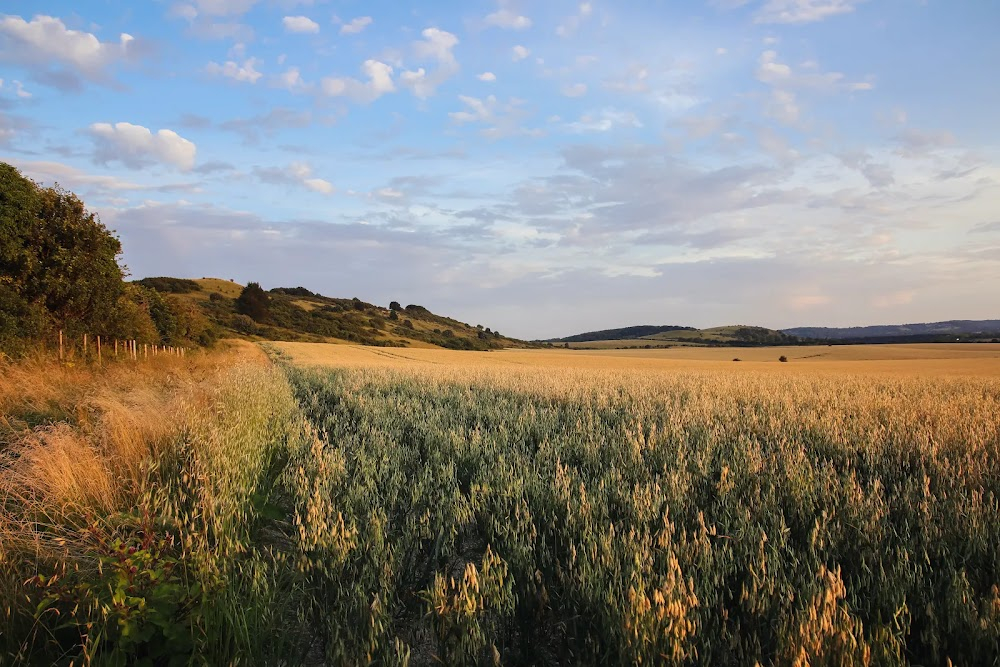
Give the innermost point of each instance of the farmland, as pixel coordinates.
(352, 505)
(653, 507)
(982, 359)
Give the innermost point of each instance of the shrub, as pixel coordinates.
(254, 303)
(783, 358)
(170, 285)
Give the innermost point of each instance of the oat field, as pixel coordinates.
(674, 507)
(343, 505)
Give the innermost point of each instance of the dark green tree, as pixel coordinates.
(254, 303)
(57, 257)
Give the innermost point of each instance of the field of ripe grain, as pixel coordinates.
(981, 359)
(560, 507)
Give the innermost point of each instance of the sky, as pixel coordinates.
(542, 168)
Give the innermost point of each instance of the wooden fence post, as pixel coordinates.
(60, 345)
(84, 347)
(100, 362)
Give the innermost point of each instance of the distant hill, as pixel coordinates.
(299, 314)
(672, 336)
(626, 333)
(985, 328)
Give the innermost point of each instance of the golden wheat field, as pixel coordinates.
(658, 507)
(347, 505)
(931, 359)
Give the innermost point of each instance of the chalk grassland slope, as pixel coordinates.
(621, 508)
(926, 359)
(299, 314)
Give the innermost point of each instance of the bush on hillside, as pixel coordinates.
(254, 303)
(294, 291)
(170, 285)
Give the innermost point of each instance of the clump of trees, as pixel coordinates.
(61, 271)
(254, 303)
(171, 285)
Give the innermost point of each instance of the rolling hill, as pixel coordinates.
(672, 336)
(298, 314)
(988, 328)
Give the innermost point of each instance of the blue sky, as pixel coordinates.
(541, 168)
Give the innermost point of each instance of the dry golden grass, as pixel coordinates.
(128, 503)
(982, 360)
(78, 439)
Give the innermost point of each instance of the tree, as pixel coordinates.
(254, 303)
(394, 306)
(57, 256)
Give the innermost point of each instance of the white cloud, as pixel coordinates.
(783, 107)
(224, 7)
(436, 45)
(572, 24)
(636, 80)
(378, 84)
(479, 110)
(808, 76)
(520, 52)
(574, 90)
(92, 184)
(389, 194)
(300, 24)
(183, 11)
(355, 25)
(19, 90)
(296, 173)
(604, 121)
(136, 146)
(501, 119)
(291, 80)
(803, 11)
(319, 185)
(245, 72)
(505, 18)
(45, 41)
(488, 77)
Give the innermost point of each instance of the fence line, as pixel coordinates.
(92, 348)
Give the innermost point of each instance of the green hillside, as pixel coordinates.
(298, 314)
(735, 335)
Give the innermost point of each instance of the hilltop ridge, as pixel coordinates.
(674, 335)
(299, 314)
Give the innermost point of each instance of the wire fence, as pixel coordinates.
(98, 349)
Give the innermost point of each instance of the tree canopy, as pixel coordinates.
(59, 270)
(253, 302)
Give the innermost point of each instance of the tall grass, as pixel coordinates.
(141, 515)
(543, 516)
(221, 510)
